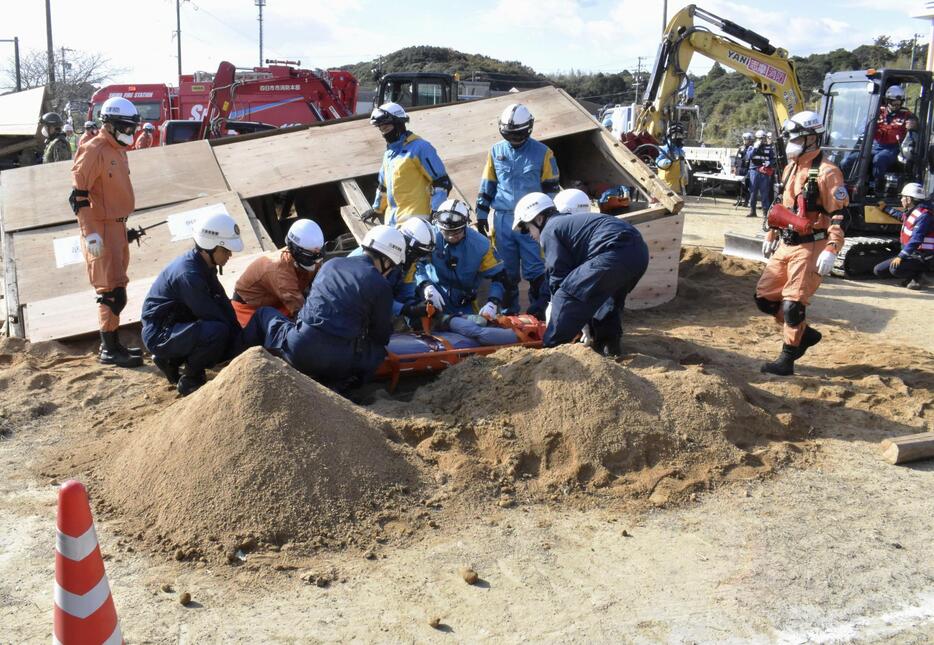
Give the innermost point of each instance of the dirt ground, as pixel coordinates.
(833, 547)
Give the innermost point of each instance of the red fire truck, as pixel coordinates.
(279, 95)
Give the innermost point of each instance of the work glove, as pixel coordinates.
(415, 310)
(769, 247)
(483, 227)
(433, 295)
(825, 262)
(548, 314)
(489, 310)
(586, 335)
(94, 244)
(370, 216)
(897, 260)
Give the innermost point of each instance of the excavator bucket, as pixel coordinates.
(742, 245)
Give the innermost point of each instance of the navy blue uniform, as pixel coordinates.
(761, 160)
(340, 335)
(187, 316)
(593, 262)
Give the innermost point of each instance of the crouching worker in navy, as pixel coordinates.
(340, 335)
(593, 262)
(188, 320)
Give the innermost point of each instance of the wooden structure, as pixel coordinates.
(326, 172)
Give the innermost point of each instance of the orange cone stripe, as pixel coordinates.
(69, 630)
(79, 577)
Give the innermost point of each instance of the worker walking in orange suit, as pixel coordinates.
(102, 199)
(803, 240)
(145, 138)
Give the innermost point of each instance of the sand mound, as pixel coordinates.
(260, 452)
(566, 416)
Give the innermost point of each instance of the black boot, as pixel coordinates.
(132, 351)
(810, 338)
(168, 367)
(784, 365)
(752, 212)
(188, 384)
(113, 354)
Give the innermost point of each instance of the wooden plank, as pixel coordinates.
(913, 447)
(354, 148)
(645, 215)
(21, 112)
(39, 279)
(259, 231)
(357, 204)
(36, 196)
(13, 319)
(655, 187)
(660, 282)
(76, 314)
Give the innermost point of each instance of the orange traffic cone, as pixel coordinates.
(84, 608)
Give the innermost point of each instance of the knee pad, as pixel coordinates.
(115, 299)
(794, 312)
(766, 306)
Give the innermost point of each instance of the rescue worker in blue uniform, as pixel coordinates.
(412, 178)
(670, 162)
(340, 335)
(593, 262)
(917, 239)
(187, 316)
(515, 167)
(461, 260)
(419, 243)
(761, 159)
(741, 168)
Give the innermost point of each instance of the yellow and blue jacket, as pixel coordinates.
(512, 173)
(412, 180)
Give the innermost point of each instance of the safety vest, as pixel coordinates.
(908, 225)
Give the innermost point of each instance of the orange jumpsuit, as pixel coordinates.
(791, 274)
(87, 136)
(101, 168)
(144, 141)
(271, 281)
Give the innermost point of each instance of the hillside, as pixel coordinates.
(728, 102)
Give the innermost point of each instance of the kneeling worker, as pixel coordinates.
(593, 262)
(341, 333)
(187, 318)
(917, 239)
(281, 280)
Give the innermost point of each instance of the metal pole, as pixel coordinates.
(664, 15)
(178, 33)
(19, 75)
(63, 67)
(260, 4)
(50, 46)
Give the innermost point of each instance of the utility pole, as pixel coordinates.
(64, 64)
(260, 4)
(638, 78)
(664, 15)
(19, 76)
(914, 45)
(50, 46)
(178, 33)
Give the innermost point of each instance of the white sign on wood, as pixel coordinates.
(181, 225)
(67, 251)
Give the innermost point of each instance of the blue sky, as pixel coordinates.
(549, 35)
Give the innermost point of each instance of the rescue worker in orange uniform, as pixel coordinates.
(90, 131)
(281, 280)
(102, 198)
(803, 239)
(145, 139)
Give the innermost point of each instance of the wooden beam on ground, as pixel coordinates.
(14, 317)
(645, 215)
(357, 204)
(913, 447)
(648, 180)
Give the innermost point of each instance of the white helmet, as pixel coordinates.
(515, 124)
(304, 242)
(148, 127)
(217, 229)
(68, 128)
(915, 191)
(895, 92)
(530, 207)
(453, 214)
(747, 136)
(572, 201)
(760, 134)
(802, 124)
(387, 241)
(419, 237)
(388, 113)
(120, 111)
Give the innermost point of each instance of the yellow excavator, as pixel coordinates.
(849, 105)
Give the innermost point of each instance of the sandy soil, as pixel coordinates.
(833, 548)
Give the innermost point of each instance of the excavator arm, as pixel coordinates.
(767, 66)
